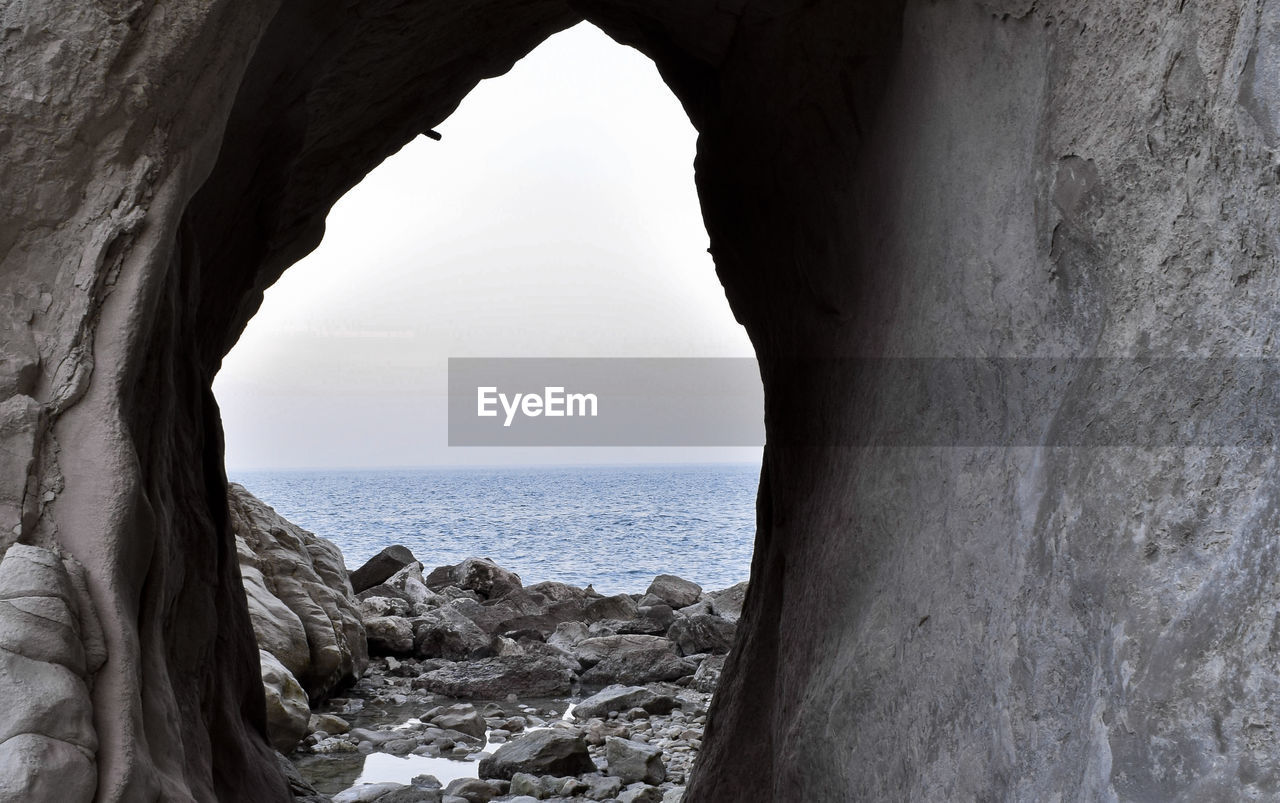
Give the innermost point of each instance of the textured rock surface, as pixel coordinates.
(380, 567)
(542, 752)
(300, 601)
(50, 650)
(1067, 178)
(288, 712)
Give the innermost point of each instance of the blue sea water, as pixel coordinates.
(615, 527)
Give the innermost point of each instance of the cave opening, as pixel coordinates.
(552, 215)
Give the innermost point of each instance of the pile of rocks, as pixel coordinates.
(631, 744)
(473, 631)
(646, 664)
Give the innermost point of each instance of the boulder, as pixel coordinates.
(366, 792)
(472, 790)
(649, 620)
(389, 635)
(409, 585)
(539, 752)
(463, 718)
(446, 633)
(330, 724)
(727, 603)
(567, 634)
(558, 592)
(633, 762)
(675, 591)
(480, 575)
(638, 666)
(619, 606)
(702, 633)
(299, 598)
(495, 678)
(380, 567)
(707, 678)
(288, 710)
(623, 698)
(593, 650)
(640, 794)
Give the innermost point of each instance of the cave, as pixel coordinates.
(917, 179)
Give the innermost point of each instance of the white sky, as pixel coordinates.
(556, 218)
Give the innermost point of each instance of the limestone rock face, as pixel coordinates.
(884, 179)
(300, 600)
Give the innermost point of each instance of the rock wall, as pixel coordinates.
(960, 179)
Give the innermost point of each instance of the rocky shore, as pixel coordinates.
(477, 687)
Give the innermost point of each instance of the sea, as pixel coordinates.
(613, 527)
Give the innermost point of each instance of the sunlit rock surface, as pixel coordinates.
(974, 178)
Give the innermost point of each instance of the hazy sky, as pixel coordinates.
(556, 218)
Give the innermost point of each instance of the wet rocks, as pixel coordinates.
(541, 752)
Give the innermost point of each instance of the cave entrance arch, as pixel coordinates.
(193, 160)
(311, 121)
(556, 217)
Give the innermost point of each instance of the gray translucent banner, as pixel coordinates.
(868, 402)
(605, 402)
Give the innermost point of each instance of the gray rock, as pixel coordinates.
(329, 723)
(633, 761)
(727, 603)
(600, 787)
(472, 790)
(619, 606)
(707, 678)
(463, 718)
(539, 752)
(389, 635)
(480, 575)
(366, 792)
(675, 591)
(568, 634)
(495, 678)
(527, 784)
(288, 711)
(593, 650)
(649, 620)
(641, 794)
(622, 698)
(637, 667)
(380, 567)
(702, 633)
(447, 633)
